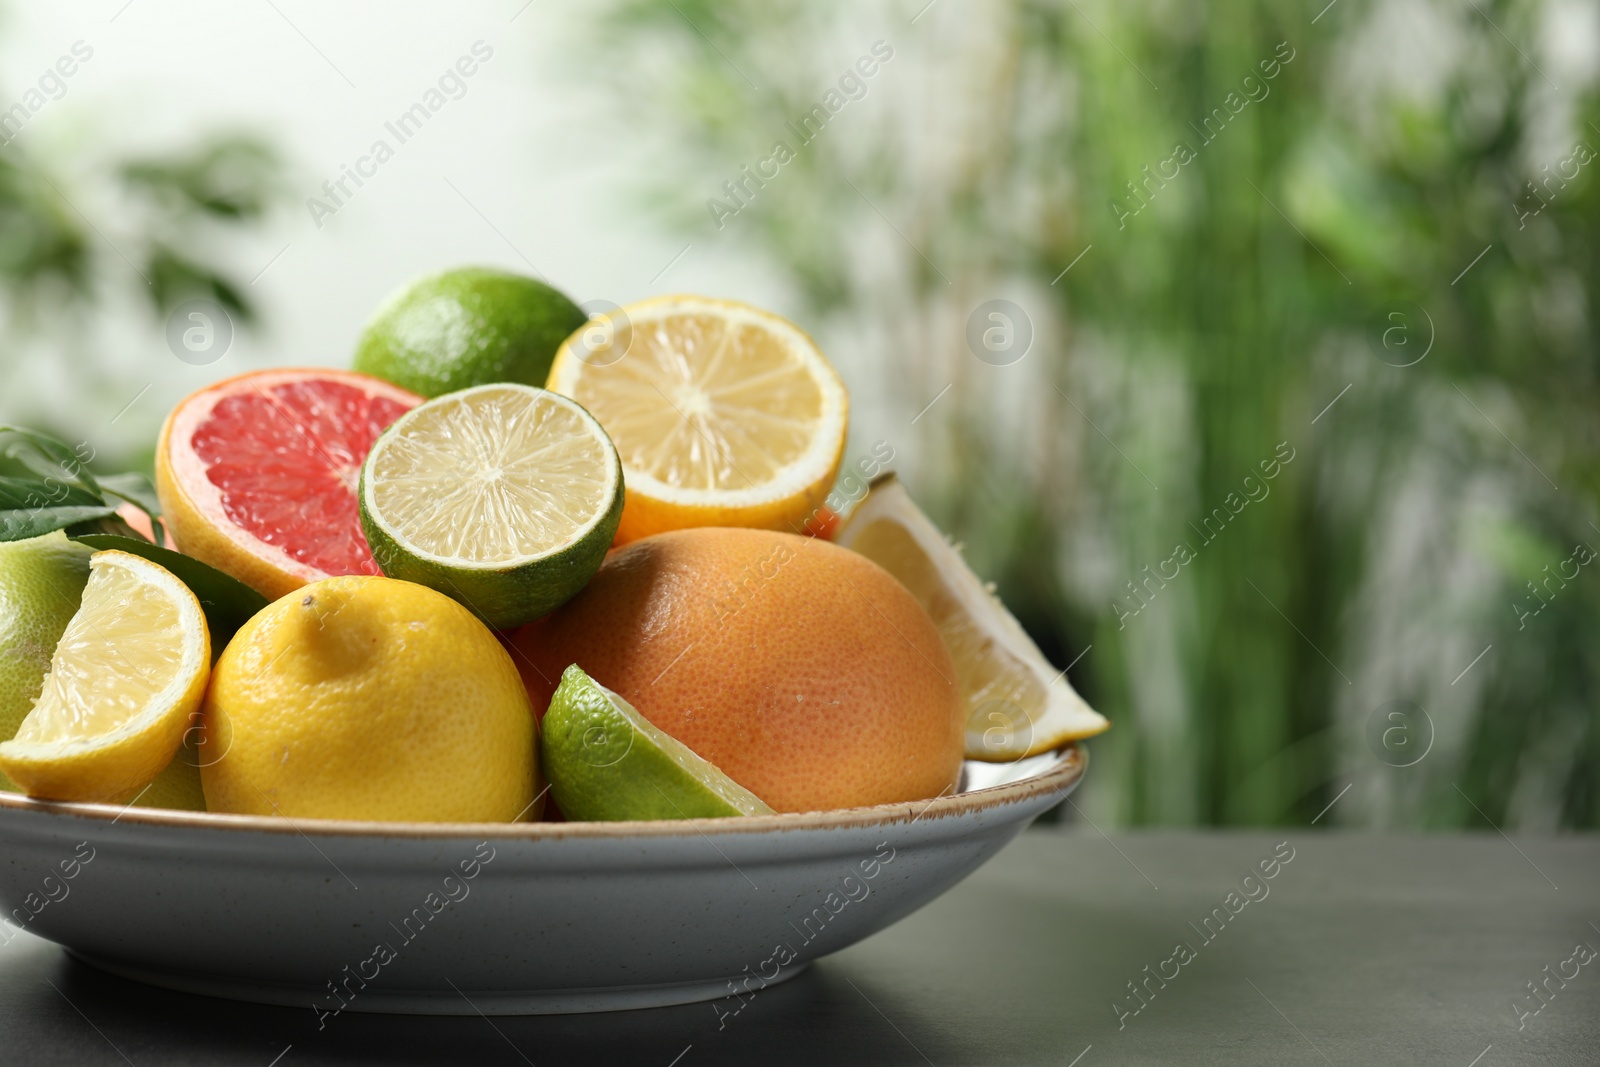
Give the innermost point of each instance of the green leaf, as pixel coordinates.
(228, 602)
(20, 525)
(28, 494)
(175, 278)
(136, 489)
(48, 457)
(64, 493)
(33, 507)
(110, 524)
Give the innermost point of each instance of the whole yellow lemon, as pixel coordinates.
(368, 698)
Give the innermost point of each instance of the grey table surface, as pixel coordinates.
(1362, 950)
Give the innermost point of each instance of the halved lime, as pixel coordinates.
(504, 497)
(605, 762)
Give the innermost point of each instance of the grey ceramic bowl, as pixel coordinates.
(459, 918)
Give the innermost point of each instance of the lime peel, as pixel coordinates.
(467, 326)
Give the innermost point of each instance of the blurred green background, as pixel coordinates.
(1352, 245)
(1266, 208)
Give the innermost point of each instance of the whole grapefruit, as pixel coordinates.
(804, 671)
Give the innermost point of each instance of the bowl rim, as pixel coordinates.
(1059, 777)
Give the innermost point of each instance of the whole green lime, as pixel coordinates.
(466, 327)
(41, 584)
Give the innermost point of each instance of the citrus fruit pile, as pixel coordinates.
(520, 563)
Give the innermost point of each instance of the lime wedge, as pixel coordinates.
(605, 762)
(504, 497)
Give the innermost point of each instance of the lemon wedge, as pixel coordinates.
(126, 676)
(724, 414)
(1018, 705)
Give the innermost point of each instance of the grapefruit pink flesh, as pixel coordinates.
(286, 459)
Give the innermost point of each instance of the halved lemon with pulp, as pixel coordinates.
(724, 414)
(126, 677)
(502, 497)
(1017, 703)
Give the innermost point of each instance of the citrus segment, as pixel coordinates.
(1017, 703)
(125, 678)
(724, 415)
(605, 761)
(257, 474)
(505, 497)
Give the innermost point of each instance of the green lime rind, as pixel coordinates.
(465, 327)
(41, 586)
(507, 598)
(502, 596)
(605, 762)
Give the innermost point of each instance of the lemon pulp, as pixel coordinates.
(120, 650)
(723, 414)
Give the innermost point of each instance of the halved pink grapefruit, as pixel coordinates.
(257, 474)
